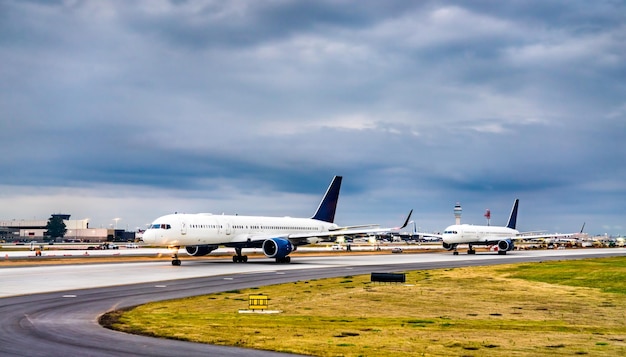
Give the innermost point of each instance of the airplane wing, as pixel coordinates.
(533, 233)
(496, 239)
(543, 235)
(307, 238)
(355, 227)
(254, 240)
(429, 234)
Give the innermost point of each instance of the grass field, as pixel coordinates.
(551, 308)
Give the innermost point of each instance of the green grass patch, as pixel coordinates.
(521, 310)
(606, 274)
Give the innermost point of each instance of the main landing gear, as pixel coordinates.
(286, 260)
(239, 258)
(470, 251)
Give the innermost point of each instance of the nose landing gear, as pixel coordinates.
(175, 261)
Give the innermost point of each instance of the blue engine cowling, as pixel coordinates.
(199, 250)
(505, 245)
(277, 248)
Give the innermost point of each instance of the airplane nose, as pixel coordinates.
(149, 236)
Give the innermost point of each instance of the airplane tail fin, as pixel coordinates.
(513, 217)
(406, 221)
(326, 210)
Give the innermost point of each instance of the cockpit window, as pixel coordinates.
(161, 226)
(450, 232)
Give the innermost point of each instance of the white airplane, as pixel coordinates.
(503, 237)
(202, 233)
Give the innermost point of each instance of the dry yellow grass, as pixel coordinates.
(453, 312)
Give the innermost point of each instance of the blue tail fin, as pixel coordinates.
(326, 210)
(513, 216)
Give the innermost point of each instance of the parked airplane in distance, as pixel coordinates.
(202, 233)
(503, 237)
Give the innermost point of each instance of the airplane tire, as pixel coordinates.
(240, 258)
(455, 253)
(176, 262)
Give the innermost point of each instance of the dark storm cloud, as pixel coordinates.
(415, 104)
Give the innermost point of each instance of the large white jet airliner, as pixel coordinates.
(202, 233)
(503, 237)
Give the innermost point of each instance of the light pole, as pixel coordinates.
(115, 231)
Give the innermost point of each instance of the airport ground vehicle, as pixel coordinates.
(103, 246)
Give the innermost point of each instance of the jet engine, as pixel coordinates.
(449, 246)
(505, 245)
(278, 248)
(200, 250)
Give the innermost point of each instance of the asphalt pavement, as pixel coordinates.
(60, 318)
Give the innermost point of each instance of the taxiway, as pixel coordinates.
(53, 310)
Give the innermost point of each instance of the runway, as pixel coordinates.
(53, 310)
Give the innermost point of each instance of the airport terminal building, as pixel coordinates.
(77, 230)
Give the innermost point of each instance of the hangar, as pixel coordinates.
(77, 230)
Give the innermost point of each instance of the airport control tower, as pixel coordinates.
(457, 213)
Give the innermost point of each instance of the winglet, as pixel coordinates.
(406, 222)
(513, 217)
(326, 210)
(583, 228)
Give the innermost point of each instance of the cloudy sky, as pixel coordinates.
(136, 109)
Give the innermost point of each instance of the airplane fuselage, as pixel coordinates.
(465, 233)
(207, 229)
(203, 233)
